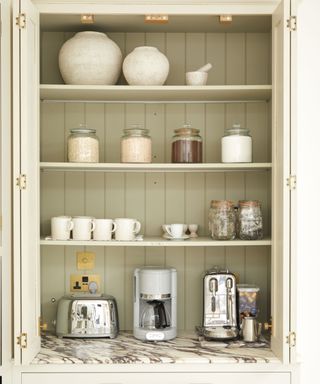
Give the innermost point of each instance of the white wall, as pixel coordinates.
(308, 191)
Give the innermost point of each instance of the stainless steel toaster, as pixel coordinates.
(87, 315)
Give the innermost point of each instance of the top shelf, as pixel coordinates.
(165, 93)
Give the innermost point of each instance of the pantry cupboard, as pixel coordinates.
(249, 84)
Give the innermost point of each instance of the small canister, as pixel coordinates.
(186, 145)
(250, 225)
(83, 145)
(222, 220)
(247, 300)
(136, 145)
(236, 145)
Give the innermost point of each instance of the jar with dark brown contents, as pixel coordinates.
(186, 145)
(250, 226)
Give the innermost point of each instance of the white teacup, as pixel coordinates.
(61, 227)
(82, 227)
(175, 230)
(126, 229)
(103, 229)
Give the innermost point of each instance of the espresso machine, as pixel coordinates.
(220, 307)
(155, 303)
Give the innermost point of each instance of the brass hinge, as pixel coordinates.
(21, 181)
(291, 339)
(22, 340)
(292, 23)
(292, 182)
(21, 20)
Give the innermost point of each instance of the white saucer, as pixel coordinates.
(168, 237)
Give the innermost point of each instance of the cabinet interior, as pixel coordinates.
(241, 55)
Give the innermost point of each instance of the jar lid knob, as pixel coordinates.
(236, 125)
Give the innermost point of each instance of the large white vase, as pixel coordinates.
(146, 66)
(90, 58)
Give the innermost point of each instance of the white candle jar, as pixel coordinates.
(83, 146)
(136, 145)
(236, 145)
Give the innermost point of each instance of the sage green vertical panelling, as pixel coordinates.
(257, 272)
(258, 49)
(235, 61)
(49, 63)
(235, 190)
(115, 120)
(134, 40)
(155, 122)
(259, 130)
(216, 55)
(215, 125)
(52, 282)
(195, 51)
(175, 52)
(52, 135)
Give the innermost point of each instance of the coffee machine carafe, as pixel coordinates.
(155, 303)
(219, 309)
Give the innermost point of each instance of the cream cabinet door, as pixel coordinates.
(157, 378)
(26, 195)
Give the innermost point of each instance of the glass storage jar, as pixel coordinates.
(222, 220)
(236, 145)
(250, 226)
(186, 145)
(136, 145)
(83, 145)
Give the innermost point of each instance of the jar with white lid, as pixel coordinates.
(236, 145)
(83, 145)
(136, 145)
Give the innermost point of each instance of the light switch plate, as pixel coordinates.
(85, 260)
(80, 283)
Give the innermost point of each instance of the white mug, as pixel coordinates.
(126, 229)
(103, 229)
(175, 230)
(61, 227)
(82, 227)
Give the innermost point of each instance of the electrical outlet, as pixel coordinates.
(80, 283)
(85, 260)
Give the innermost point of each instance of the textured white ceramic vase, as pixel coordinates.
(90, 58)
(146, 66)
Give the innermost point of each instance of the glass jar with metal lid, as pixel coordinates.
(222, 220)
(83, 145)
(186, 145)
(136, 145)
(236, 145)
(250, 225)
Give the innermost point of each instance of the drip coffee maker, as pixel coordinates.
(155, 305)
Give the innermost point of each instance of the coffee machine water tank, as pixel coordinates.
(155, 303)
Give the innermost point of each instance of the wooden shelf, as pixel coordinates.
(161, 242)
(155, 167)
(165, 93)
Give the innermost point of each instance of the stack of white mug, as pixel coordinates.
(89, 228)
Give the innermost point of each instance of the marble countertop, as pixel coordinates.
(125, 349)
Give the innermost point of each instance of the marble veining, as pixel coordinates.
(125, 349)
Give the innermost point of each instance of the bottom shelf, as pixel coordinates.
(125, 349)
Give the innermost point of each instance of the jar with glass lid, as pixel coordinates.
(222, 220)
(136, 145)
(83, 145)
(186, 145)
(236, 145)
(250, 223)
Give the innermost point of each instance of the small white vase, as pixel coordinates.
(146, 66)
(90, 58)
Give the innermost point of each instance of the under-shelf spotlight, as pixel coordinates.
(225, 19)
(87, 19)
(156, 19)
